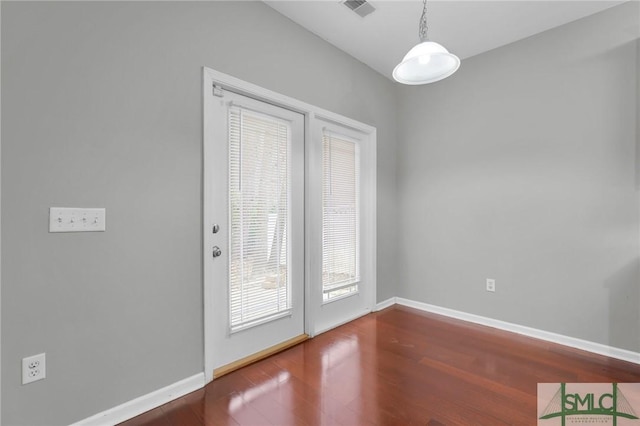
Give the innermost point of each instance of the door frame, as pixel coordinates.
(215, 79)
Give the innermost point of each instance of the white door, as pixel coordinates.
(255, 179)
(342, 252)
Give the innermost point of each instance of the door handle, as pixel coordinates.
(216, 251)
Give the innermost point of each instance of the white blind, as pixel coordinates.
(259, 215)
(340, 216)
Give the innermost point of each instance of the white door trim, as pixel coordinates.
(311, 113)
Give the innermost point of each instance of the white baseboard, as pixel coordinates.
(573, 342)
(385, 304)
(144, 403)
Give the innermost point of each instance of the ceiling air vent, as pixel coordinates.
(361, 7)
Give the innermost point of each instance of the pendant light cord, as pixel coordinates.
(422, 31)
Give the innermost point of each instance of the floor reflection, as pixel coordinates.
(265, 388)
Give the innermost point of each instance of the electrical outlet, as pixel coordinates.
(491, 285)
(33, 368)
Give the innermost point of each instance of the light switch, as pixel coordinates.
(70, 219)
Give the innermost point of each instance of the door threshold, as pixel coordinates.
(243, 362)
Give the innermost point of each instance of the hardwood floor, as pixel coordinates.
(399, 366)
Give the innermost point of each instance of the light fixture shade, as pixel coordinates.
(426, 63)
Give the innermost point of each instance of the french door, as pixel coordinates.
(256, 185)
(340, 260)
(289, 221)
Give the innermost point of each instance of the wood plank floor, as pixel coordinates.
(398, 366)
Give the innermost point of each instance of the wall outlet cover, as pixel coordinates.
(34, 368)
(491, 285)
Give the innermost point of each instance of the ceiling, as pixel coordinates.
(465, 28)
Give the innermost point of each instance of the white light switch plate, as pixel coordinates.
(70, 219)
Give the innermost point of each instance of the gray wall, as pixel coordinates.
(102, 108)
(522, 167)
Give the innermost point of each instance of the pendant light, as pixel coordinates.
(426, 62)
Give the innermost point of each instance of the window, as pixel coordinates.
(259, 191)
(340, 216)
